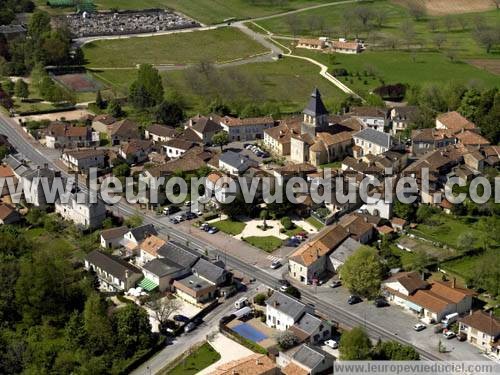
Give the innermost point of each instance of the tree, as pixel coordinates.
(419, 261)
(133, 330)
(287, 223)
(96, 324)
(260, 299)
(362, 272)
(121, 170)
(424, 212)
(466, 240)
(287, 340)
(134, 221)
(355, 345)
(99, 102)
(21, 89)
(439, 40)
(115, 108)
(394, 351)
(169, 113)
(9, 87)
(469, 106)
(487, 36)
(293, 291)
(39, 24)
(416, 9)
(147, 90)
(220, 138)
(404, 210)
(163, 308)
(264, 215)
(35, 216)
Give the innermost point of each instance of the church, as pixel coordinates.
(322, 140)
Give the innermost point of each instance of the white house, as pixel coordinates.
(248, 129)
(235, 163)
(135, 236)
(111, 238)
(82, 160)
(376, 118)
(283, 311)
(114, 274)
(33, 181)
(80, 212)
(483, 331)
(159, 133)
(174, 148)
(371, 142)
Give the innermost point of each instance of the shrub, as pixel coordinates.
(260, 299)
(287, 223)
(287, 340)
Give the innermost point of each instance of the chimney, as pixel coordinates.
(348, 230)
(257, 362)
(454, 283)
(127, 274)
(366, 219)
(275, 303)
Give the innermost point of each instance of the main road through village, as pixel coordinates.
(379, 324)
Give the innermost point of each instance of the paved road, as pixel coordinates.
(375, 323)
(182, 343)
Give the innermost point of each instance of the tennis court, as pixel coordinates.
(249, 332)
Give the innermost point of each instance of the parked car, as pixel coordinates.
(283, 288)
(419, 327)
(203, 226)
(174, 221)
(189, 327)
(335, 284)
(461, 336)
(275, 264)
(332, 344)
(179, 217)
(449, 335)
(380, 302)
(190, 215)
(213, 230)
(170, 210)
(181, 318)
(353, 299)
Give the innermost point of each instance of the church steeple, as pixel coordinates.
(315, 114)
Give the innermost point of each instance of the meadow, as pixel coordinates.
(220, 45)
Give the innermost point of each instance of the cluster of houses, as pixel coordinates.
(340, 45)
(138, 257)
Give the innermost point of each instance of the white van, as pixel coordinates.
(450, 319)
(242, 302)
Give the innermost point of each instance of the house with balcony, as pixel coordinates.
(114, 274)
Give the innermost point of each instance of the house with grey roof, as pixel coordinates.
(283, 311)
(311, 329)
(306, 359)
(371, 142)
(179, 254)
(376, 118)
(159, 133)
(161, 272)
(210, 272)
(235, 163)
(205, 128)
(114, 274)
(195, 290)
(33, 181)
(341, 253)
(134, 236)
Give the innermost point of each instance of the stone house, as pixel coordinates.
(86, 215)
(247, 129)
(84, 159)
(483, 331)
(64, 135)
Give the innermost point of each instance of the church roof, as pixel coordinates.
(316, 107)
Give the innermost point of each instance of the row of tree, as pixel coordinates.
(53, 320)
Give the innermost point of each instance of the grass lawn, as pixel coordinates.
(266, 243)
(405, 256)
(315, 223)
(447, 229)
(230, 227)
(286, 83)
(49, 240)
(294, 231)
(457, 29)
(203, 357)
(402, 67)
(464, 267)
(221, 45)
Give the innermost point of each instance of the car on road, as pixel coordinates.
(449, 335)
(181, 318)
(353, 299)
(332, 344)
(335, 284)
(283, 288)
(275, 264)
(189, 327)
(419, 327)
(380, 302)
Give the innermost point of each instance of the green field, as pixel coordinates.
(447, 230)
(266, 243)
(230, 226)
(286, 83)
(221, 45)
(402, 67)
(205, 11)
(457, 29)
(202, 357)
